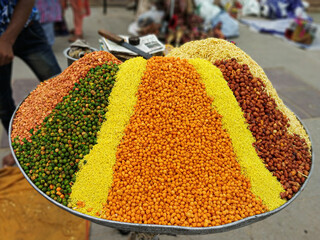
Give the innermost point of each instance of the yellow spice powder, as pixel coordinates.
(263, 184)
(94, 178)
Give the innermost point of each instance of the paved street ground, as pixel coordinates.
(294, 73)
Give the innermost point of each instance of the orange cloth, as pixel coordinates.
(25, 214)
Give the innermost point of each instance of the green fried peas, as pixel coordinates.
(67, 134)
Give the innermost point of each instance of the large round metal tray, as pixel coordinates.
(165, 229)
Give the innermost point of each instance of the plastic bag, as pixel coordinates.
(151, 16)
(207, 10)
(230, 26)
(250, 7)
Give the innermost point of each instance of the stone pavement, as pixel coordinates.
(295, 75)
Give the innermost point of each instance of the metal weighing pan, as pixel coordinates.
(164, 229)
(70, 59)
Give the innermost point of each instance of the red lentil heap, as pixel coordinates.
(40, 103)
(286, 155)
(175, 164)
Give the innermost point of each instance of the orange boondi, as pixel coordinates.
(175, 164)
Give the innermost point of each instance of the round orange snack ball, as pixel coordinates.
(175, 164)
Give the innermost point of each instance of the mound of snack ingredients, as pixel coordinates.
(198, 138)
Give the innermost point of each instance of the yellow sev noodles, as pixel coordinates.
(263, 184)
(213, 49)
(94, 178)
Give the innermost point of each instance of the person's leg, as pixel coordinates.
(32, 47)
(77, 20)
(48, 29)
(7, 105)
(61, 28)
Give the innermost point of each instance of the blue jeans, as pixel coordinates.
(32, 47)
(48, 29)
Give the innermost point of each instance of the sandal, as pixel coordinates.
(75, 37)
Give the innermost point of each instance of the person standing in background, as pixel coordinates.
(60, 27)
(21, 35)
(80, 9)
(50, 12)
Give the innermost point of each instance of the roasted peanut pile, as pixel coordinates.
(285, 155)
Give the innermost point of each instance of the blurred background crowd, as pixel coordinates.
(178, 21)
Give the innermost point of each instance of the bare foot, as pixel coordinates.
(8, 161)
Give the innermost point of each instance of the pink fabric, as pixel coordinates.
(50, 11)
